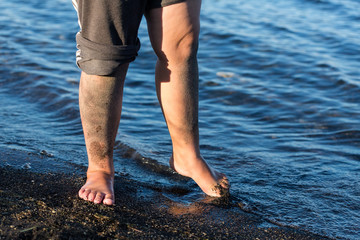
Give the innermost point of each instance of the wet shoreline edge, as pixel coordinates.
(37, 205)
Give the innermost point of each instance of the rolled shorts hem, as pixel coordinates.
(99, 59)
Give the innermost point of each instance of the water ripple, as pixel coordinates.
(279, 103)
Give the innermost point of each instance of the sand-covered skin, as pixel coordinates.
(44, 206)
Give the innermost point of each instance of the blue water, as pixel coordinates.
(279, 104)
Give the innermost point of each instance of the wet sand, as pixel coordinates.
(45, 205)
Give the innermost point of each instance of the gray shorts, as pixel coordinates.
(109, 32)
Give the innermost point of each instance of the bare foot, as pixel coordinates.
(211, 182)
(99, 188)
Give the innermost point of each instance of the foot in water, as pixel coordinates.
(99, 188)
(211, 182)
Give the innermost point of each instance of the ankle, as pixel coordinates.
(105, 167)
(186, 156)
(105, 173)
(186, 164)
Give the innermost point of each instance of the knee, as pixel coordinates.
(187, 46)
(181, 49)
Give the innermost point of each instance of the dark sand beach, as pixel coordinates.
(45, 206)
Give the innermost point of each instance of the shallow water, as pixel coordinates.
(279, 104)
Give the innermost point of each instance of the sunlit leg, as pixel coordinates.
(174, 31)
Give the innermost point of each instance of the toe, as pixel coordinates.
(99, 197)
(215, 192)
(91, 196)
(224, 183)
(81, 192)
(85, 194)
(109, 199)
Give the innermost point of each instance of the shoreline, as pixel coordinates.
(45, 205)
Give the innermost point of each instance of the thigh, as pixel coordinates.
(169, 25)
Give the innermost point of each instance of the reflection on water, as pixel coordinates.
(279, 105)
